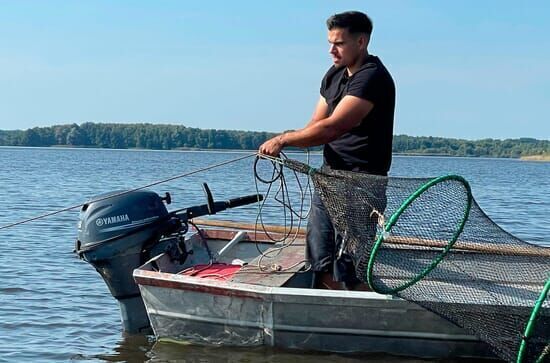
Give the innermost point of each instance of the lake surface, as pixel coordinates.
(55, 307)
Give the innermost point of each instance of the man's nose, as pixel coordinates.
(332, 49)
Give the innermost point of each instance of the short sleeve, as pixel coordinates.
(323, 86)
(365, 83)
(327, 80)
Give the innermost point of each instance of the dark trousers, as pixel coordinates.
(324, 243)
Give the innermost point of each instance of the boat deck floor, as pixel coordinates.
(274, 267)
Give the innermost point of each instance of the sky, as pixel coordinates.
(463, 69)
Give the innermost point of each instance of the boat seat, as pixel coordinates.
(277, 267)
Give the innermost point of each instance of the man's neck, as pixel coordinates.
(358, 64)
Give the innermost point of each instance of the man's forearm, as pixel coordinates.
(315, 133)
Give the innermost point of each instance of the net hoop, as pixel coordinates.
(393, 220)
(531, 324)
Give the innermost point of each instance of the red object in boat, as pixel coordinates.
(216, 271)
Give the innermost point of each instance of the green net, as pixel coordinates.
(428, 241)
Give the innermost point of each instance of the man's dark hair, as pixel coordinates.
(354, 21)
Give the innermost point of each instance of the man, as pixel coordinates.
(353, 119)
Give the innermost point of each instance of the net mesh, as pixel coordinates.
(428, 241)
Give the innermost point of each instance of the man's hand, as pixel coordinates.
(272, 146)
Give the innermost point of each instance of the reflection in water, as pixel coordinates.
(138, 348)
(131, 348)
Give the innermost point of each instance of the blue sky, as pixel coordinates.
(463, 69)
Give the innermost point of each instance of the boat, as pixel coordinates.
(227, 283)
(233, 302)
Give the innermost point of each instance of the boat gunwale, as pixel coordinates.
(260, 292)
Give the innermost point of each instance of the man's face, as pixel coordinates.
(345, 48)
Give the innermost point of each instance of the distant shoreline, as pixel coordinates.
(179, 137)
(541, 158)
(536, 158)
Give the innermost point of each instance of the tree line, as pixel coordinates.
(167, 137)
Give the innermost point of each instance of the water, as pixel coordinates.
(54, 307)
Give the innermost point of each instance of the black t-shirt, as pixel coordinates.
(367, 147)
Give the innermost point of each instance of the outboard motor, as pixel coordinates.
(118, 230)
(113, 234)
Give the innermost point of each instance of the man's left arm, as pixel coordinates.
(347, 115)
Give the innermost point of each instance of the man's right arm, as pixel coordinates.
(348, 114)
(273, 146)
(320, 112)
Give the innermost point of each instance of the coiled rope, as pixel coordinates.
(290, 214)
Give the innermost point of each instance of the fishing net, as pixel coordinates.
(428, 241)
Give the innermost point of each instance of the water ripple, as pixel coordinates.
(55, 307)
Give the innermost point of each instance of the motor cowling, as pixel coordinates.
(115, 231)
(115, 214)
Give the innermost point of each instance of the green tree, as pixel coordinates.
(31, 137)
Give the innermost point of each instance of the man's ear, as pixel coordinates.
(364, 41)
